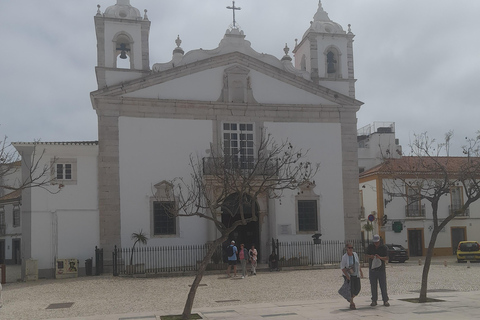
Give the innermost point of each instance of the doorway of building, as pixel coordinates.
(2, 251)
(247, 234)
(458, 234)
(16, 257)
(415, 242)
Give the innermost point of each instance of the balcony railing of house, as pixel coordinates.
(216, 165)
(454, 210)
(415, 211)
(181, 259)
(3, 229)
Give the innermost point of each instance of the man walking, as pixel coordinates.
(232, 258)
(377, 254)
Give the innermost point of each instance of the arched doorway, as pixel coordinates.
(247, 234)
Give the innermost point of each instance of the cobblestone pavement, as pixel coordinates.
(106, 295)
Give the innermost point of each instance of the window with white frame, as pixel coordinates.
(456, 196)
(307, 215)
(16, 216)
(64, 170)
(307, 212)
(414, 205)
(164, 220)
(238, 145)
(2, 220)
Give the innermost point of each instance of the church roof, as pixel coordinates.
(233, 41)
(226, 59)
(423, 166)
(63, 143)
(11, 197)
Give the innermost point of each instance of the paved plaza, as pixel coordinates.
(289, 294)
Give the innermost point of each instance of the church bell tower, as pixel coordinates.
(122, 43)
(326, 51)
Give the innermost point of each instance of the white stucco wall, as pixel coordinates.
(66, 224)
(198, 88)
(269, 90)
(265, 89)
(153, 150)
(323, 140)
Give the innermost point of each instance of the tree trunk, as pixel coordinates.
(426, 267)
(187, 310)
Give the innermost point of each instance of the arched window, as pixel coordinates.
(123, 51)
(303, 63)
(332, 63)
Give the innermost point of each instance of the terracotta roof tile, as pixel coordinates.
(423, 165)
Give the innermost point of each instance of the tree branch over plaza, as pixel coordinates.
(429, 173)
(19, 172)
(231, 185)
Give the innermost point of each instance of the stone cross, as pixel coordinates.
(233, 8)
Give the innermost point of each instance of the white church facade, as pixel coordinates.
(153, 117)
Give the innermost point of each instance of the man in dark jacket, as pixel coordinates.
(378, 254)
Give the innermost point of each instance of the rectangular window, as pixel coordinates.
(2, 221)
(414, 206)
(307, 215)
(64, 170)
(164, 222)
(238, 145)
(16, 216)
(457, 198)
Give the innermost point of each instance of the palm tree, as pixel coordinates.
(138, 237)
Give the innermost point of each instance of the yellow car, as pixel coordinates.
(468, 250)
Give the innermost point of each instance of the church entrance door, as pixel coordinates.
(247, 234)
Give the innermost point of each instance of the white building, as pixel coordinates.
(377, 141)
(10, 222)
(151, 118)
(409, 222)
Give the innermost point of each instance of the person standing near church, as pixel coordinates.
(377, 254)
(352, 271)
(243, 257)
(253, 259)
(232, 259)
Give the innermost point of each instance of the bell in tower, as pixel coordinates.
(122, 41)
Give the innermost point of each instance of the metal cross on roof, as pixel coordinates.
(233, 8)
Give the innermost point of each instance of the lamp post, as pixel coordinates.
(316, 240)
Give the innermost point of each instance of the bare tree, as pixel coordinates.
(18, 172)
(430, 173)
(232, 184)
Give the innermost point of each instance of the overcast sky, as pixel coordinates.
(417, 61)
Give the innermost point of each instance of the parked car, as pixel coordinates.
(468, 250)
(397, 252)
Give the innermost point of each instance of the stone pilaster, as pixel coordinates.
(109, 182)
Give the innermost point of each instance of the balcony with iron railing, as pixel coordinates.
(243, 165)
(415, 211)
(455, 210)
